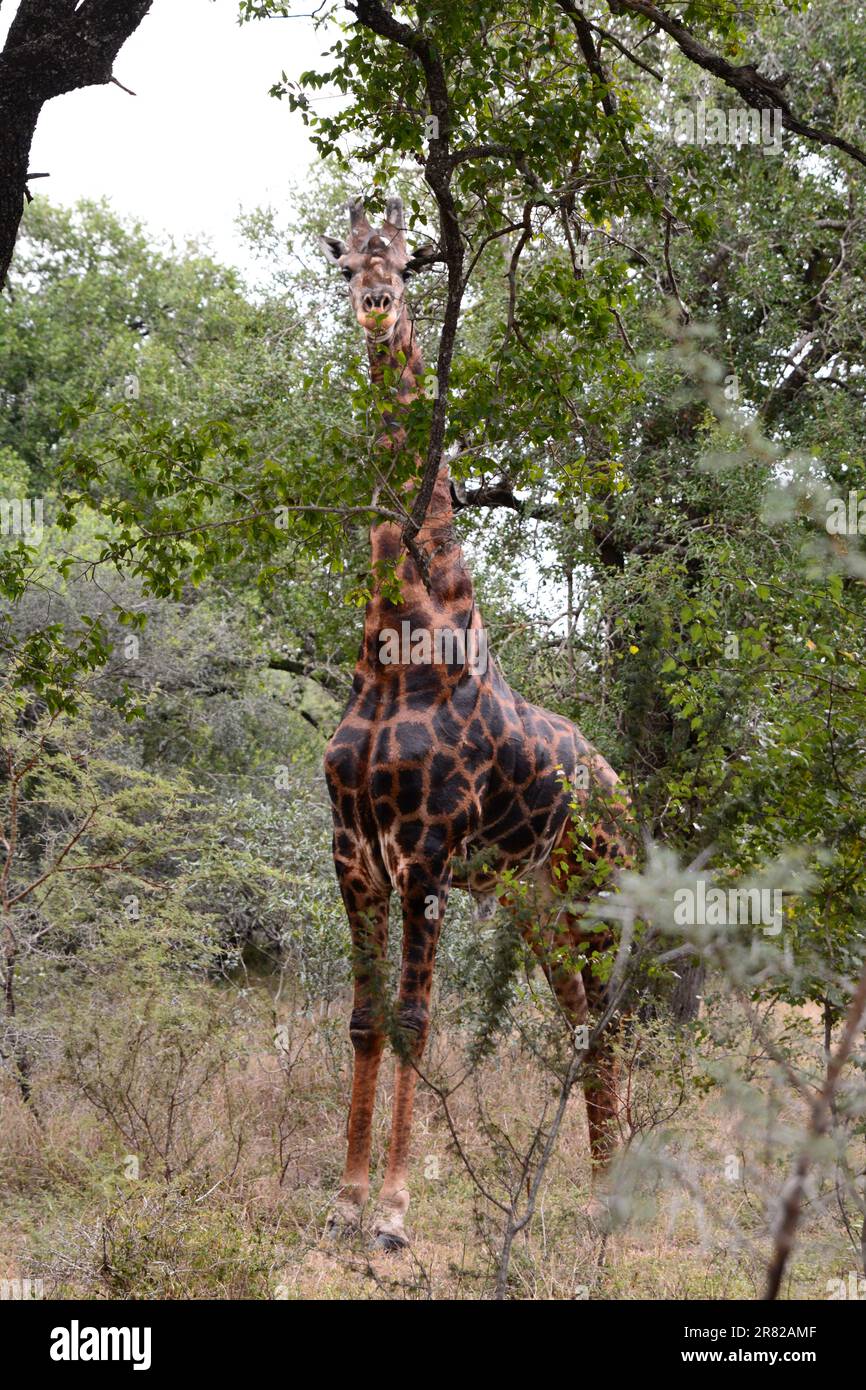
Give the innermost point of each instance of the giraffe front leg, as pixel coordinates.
(424, 895)
(368, 917)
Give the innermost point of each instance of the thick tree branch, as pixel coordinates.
(755, 89)
(334, 682)
(583, 31)
(52, 47)
(501, 494)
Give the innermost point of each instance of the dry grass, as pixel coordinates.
(237, 1209)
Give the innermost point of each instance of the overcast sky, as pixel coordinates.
(201, 138)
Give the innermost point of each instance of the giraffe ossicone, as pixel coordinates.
(441, 776)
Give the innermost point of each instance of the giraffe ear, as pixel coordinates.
(333, 248)
(421, 259)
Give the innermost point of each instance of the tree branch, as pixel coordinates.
(52, 47)
(755, 89)
(819, 1123)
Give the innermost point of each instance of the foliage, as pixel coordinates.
(658, 377)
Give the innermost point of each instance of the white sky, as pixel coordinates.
(202, 137)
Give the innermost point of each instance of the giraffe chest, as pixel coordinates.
(475, 772)
(402, 773)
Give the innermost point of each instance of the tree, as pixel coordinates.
(53, 46)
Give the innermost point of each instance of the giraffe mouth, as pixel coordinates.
(381, 327)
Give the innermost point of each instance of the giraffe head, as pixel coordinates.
(376, 265)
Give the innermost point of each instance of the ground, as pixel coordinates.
(104, 1196)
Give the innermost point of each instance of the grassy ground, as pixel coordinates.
(203, 1167)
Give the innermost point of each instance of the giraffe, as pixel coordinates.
(436, 765)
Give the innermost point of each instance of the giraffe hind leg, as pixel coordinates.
(557, 942)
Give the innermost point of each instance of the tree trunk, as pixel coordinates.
(18, 1053)
(17, 128)
(686, 997)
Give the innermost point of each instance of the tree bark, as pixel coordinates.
(686, 997)
(52, 47)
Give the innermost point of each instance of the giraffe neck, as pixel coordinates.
(400, 354)
(402, 344)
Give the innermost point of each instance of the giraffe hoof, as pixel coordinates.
(601, 1214)
(342, 1224)
(390, 1242)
